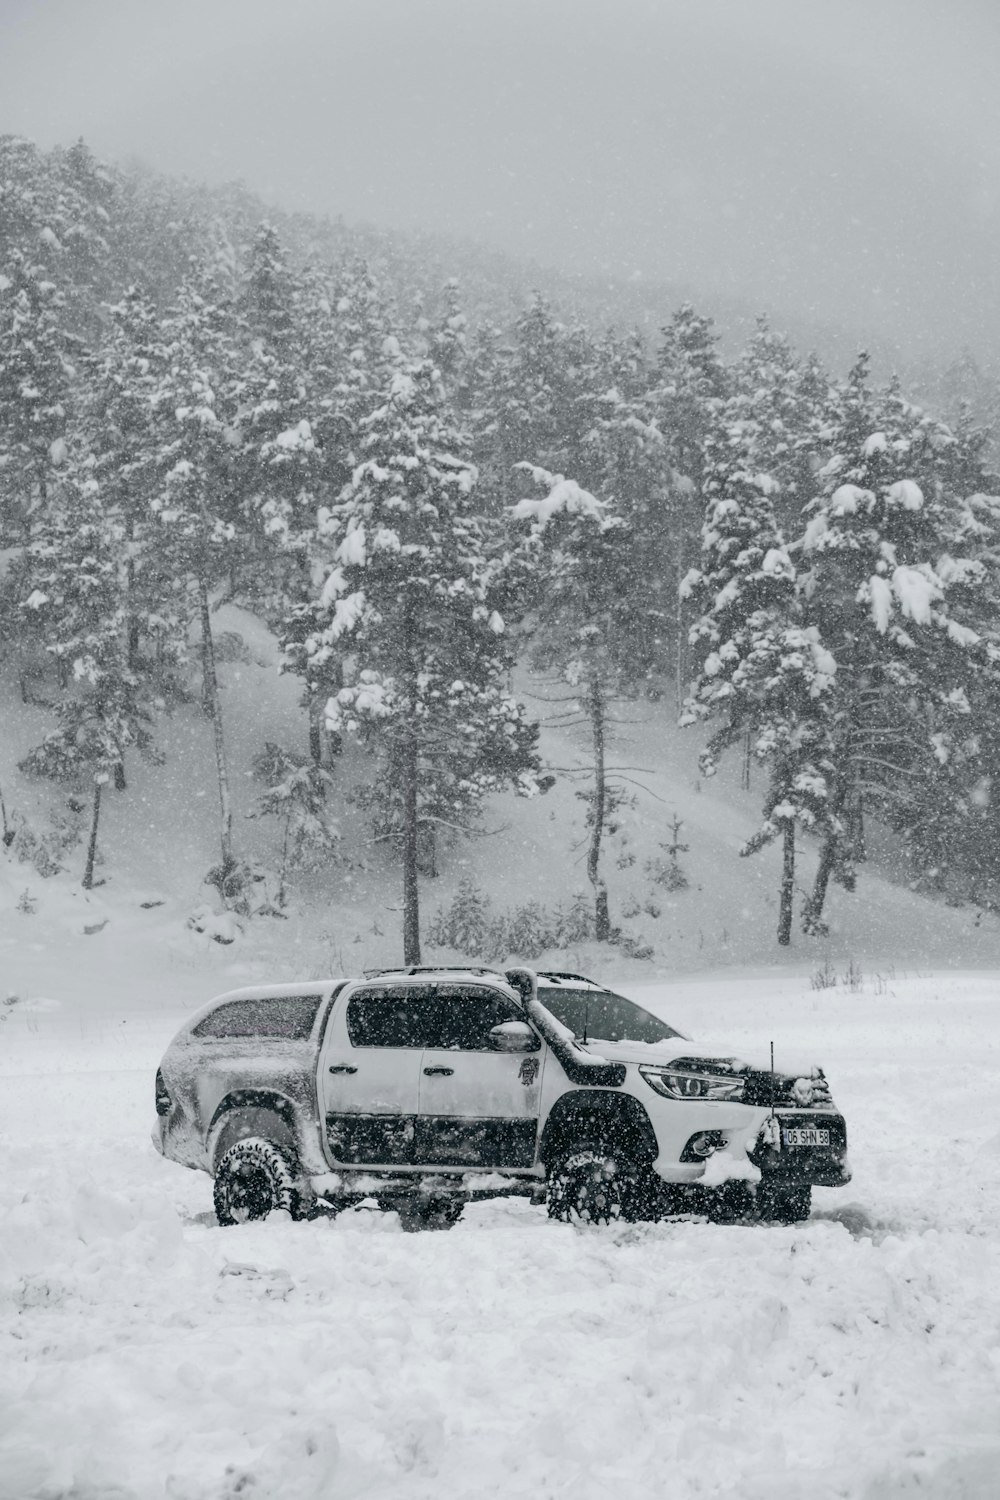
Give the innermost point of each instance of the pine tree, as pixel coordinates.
(685, 402)
(76, 575)
(296, 792)
(762, 671)
(409, 589)
(37, 377)
(587, 627)
(121, 419)
(877, 578)
(197, 505)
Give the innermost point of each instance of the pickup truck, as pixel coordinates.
(424, 1088)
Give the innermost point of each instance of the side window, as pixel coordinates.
(391, 1016)
(287, 1017)
(467, 1016)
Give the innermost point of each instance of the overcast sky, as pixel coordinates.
(829, 158)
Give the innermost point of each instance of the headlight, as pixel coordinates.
(675, 1083)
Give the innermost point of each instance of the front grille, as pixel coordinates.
(818, 1164)
(786, 1090)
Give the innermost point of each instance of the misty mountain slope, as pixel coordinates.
(159, 839)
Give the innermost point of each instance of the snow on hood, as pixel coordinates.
(676, 1047)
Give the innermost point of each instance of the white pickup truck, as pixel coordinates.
(424, 1088)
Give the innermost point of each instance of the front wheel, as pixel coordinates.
(255, 1178)
(591, 1186)
(783, 1205)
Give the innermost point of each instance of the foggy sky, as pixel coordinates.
(836, 159)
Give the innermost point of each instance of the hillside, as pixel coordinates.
(158, 840)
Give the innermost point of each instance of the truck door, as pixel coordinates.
(369, 1073)
(477, 1106)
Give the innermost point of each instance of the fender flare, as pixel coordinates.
(249, 1112)
(617, 1120)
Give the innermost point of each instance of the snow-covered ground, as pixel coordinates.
(147, 1353)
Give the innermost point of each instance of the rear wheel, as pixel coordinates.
(590, 1185)
(255, 1178)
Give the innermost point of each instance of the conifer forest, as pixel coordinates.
(203, 402)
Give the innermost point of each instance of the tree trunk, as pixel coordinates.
(602, 921)
(787, 886)
(210, 698)
(411, 893)
(411, 830)
(812, 915)
(812, 912)
(131, 617)
(88, 873)
(679, 664)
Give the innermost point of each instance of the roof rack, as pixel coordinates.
(434, 969)
(562, 974)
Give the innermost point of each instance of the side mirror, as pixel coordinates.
(513, 1036)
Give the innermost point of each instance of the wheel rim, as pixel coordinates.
(591, 1193)
(249, 1194)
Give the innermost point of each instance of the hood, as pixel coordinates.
(661, 1052)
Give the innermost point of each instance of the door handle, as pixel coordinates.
(441, 1072)
(341, 1068)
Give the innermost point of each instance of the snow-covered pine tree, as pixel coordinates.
(198, 511)
(761, 670)
(348, 349)
(524, 398)
(296, 792)
(37, 377)
(123, 434)
(685, 400)
(879, 569)
(76, 578)
(278, 464)
(408, 588)
(588, 626)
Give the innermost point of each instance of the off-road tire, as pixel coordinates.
(255, 1178)
(591, 1185)
(784, 1204)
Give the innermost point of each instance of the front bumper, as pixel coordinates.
(820, 1166)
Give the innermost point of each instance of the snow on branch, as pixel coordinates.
(564, 495)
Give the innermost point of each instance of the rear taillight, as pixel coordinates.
(163, 1100)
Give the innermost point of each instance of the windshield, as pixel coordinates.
(604, 1015)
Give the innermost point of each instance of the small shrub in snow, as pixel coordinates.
(220, 926)
(667, 872)
(632, 947)
(574, 923)
(530, 930)
(27, 903)
(472, 926)
(44, 850)
(854, 979)
(824, 978)
(467, 924)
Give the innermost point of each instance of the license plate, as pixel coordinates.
(805, 1135)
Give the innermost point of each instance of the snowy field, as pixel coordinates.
(147, 1353)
